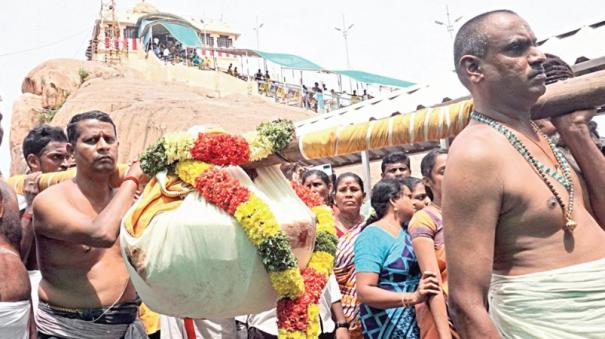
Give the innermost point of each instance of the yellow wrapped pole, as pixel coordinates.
(432, 124)
(46, 180)
(420, 126)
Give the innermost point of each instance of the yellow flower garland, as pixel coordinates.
(256, 219)
(288, 283)
(313, 314)
(322, 262)
(325, 219)
(188, 170)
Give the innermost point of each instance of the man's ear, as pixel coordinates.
(471, 68)
(69, 148)
(33, 162)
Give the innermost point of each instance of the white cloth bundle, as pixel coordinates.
(196, 261)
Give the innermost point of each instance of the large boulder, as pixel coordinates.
(27, 113)
(56, 79)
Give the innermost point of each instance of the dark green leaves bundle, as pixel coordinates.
(279, 132)
(154, 159)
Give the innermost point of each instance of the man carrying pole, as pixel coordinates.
(85, 290)
(515, 214)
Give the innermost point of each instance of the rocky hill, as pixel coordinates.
(142, 109)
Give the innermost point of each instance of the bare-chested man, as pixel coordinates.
(507, 209)
(85, 290)
(45, 151)
(15, 289)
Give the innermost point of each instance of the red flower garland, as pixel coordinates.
(292, 314)
(310, 198)
(221, 149)
(221, 189)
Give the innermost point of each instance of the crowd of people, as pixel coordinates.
(172, 51)
(378, 266)
(320, 100)
(317, 98)
(516, 205)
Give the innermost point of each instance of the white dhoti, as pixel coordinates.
(568, 302)
(34, 279)
(14, 319)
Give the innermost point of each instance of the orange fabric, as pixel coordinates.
(156, 199)
(150, 319)
(422, 220)
(423, 225)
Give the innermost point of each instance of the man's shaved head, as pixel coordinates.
(471, 39)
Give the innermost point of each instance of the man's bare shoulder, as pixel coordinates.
(477, 144)
(54, 198)
(57, 190)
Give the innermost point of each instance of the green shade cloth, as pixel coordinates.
(289, 61)
(374, 78)
(186, 35)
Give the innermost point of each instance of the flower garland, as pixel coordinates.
(197, 161)
(299, 292)
(217, 148)
(298, 318)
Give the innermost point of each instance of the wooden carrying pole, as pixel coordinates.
(563, 97)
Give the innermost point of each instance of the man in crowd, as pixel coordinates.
(258, 76)
(511, 204)
(15, 289)
(85, 290)
(44, 150)
(395, 165)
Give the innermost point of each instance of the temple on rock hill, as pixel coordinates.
(119, 36)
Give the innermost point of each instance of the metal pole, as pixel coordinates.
(257, 29)
(367, 178)
(345, 32)
(247, 64)
(257, 36)
(302, 98)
